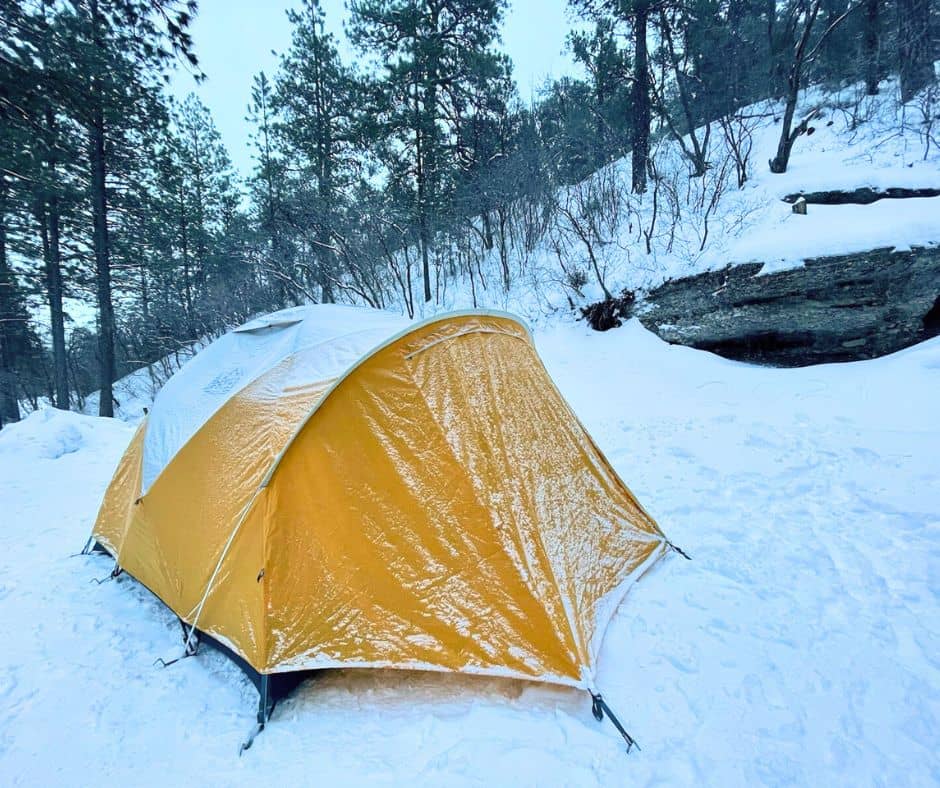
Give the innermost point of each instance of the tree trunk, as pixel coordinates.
(428, 119)
(106, 372)
(423, 234)
(184, 255)
(48, 218)
(99, 211)
(915, 58)
(144, 297)
(788, 135)
(870, 44)
(780, 162)
(52, 254)
(487, 228)
(60, 365)
(425, 265)
(9, 402)
(641, 99)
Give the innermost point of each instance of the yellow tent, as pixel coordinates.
(432, 503)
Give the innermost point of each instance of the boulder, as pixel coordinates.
(839, 308)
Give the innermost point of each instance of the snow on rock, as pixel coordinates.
(787, 239)
(798, 647)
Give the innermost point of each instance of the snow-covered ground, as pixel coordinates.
(800, 646)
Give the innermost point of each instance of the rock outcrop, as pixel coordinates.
(839, 308)
(862, 196)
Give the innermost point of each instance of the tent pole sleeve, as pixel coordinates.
(202, 602)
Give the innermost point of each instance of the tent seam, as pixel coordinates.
(372, 353)
(238, 392)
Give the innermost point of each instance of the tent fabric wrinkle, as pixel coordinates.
(332, 486)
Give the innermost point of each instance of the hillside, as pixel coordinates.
(686, 225)
(858, 142)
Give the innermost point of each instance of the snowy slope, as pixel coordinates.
(798, 647)
(137, 391)
(687, 224)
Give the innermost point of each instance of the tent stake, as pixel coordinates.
(265, 710)
(114, 573)
(599, 708)
(679, 550)
(190, 647)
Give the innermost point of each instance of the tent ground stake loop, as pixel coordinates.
(190, 640)
(599, 708)
(190, 647)
(596, 709)
(161, 663)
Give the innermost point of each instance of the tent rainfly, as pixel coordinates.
(332, 486)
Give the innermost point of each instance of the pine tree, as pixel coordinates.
(43, 156)
(268, 187)
(122, 46)
(16, 339)
(635, 16)
(915, 47)
(205, 191)
(318, 102)
(608, 67)
(429, 52)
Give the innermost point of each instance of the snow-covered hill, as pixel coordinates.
(685, 225)
(798, 647)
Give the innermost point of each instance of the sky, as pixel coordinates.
(235, 39)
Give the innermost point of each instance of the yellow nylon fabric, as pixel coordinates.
(177, 533)
(114, 515)
(541, 474)
(441, 507)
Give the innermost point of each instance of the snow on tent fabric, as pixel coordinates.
(432, 503)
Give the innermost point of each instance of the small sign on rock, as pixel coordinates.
(800, 206)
